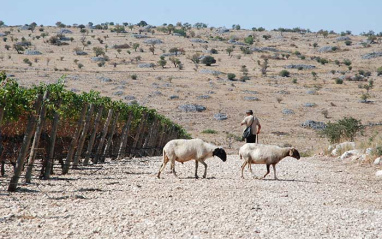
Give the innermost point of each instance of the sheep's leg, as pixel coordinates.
(165, 160)
(274, 171)
(2, 168)
(267, 170)
(173, 167)
(196, 168)
(242, 168)
(205, 168)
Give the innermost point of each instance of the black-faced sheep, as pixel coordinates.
(265, 154)
(183, 150)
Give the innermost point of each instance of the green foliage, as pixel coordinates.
(231, 76)
(344, 129)
(339, 81)
(229, 50)
(284, 73)
(347, 62)
(379, 71)
(348, 42)
(249, 40)
(209, 131)
(98, 51)
(162, 62)
(208, 60)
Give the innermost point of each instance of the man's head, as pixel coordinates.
(249, 112)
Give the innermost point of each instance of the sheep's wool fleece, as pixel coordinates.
(183, 150)
(263, 154)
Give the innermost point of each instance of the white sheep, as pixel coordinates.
(183, 150)
(265, 154)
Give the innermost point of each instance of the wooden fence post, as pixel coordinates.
(36, 139)
(103, 137)
(73, 143)
(148, 144)
(159, 143)
(92, 137)
(25, 146)
(111, 134)
(138, 134)
(52, 142)
(84, 133)
(1, 141)
(124, 137)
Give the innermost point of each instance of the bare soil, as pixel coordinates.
(315, 197)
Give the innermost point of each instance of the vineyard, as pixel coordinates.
(49, 125)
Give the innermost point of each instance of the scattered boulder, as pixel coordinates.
(221, 30)
(198, 40)
(283, 92)
(204, 97)
(335, 149)
(372, 55)
(343, 38)
(153, 41)
(300, 66)
(220, 116)
(104, 79)
(378, 173)
(325, 49)
(251, 98)
(314, 124)
(80, 53)
(64, 31)
(252, 92)
(32, 52)
(146, 65)
(118, 93)
(2, 34)
(174, 97)
(234, 42)
(310, 104)
(208, 71)
(287, 112)
(98, 59)
(378, 161)
(311, 92)
(192, 108)
(139, 36)
(352, 154)
(129, 97)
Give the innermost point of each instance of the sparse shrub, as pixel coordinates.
(134, 76)
(208, 60)
(245, 50)
(209, 131)
(7, 47)
(98, 51)
(267, 36)
(344, 129)
(333, 72)
(294, 81)
(279, 99)
(231, 76)
(323, 61)
(379, 71)
(162, 62)
(229, 50)
(101, 64)
(325, 113)
(27, 61)
(347, 62)
(339, 81)
(315, 44)
(214, 51)
(249, 40)
(284, 73)
(135, 46)
(244, 78)
(80, 65)
(348, 42)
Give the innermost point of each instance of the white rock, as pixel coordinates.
(369, 151)
(377, 161)
(350, 153)
(378, 173)
(342, 146)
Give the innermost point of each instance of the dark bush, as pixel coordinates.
(208, 60)
(284, 73)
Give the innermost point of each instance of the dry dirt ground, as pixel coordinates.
(314, 198)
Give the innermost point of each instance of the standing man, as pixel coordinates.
(251, 120)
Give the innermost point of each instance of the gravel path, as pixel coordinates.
(314, 198)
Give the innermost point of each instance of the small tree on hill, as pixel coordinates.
(229, 50)
(208, 60)
(98, 51)
(162, 62)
